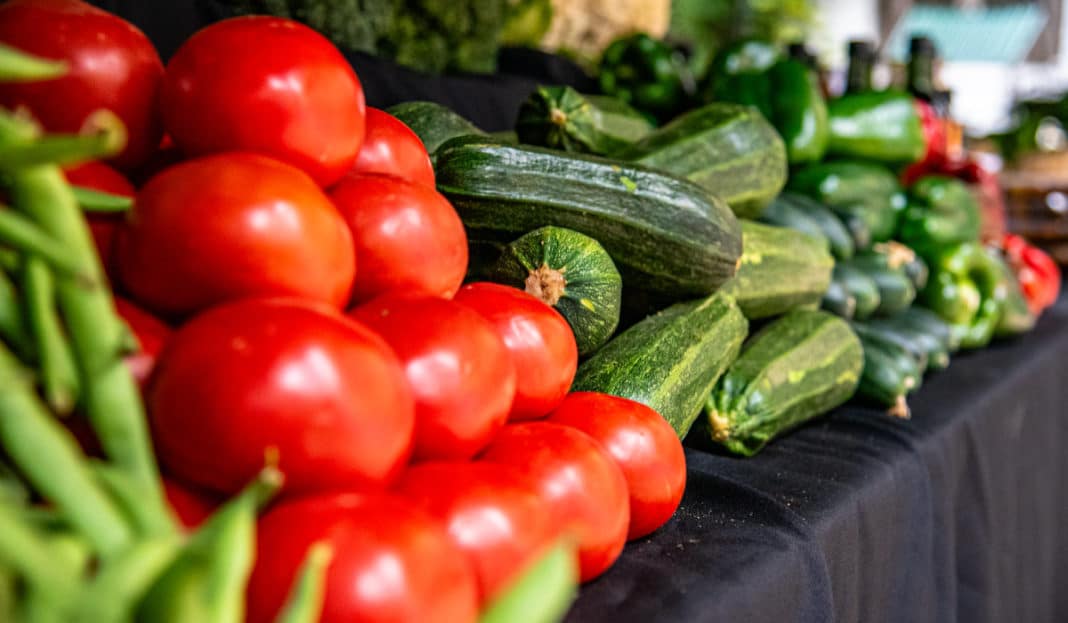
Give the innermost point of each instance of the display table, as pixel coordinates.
(959, 514)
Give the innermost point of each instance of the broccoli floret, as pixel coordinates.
(429, 35)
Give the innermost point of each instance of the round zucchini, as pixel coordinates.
(573, 273)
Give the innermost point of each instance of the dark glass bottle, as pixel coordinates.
(921, 79)
(861, 64)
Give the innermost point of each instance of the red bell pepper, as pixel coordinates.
(1039, 275)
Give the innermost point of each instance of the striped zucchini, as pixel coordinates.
(666, 235)
(729, 149)
(670, 361)
(798, 367)
(781, 269)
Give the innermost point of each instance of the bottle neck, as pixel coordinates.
(859, 77)
(921, 76)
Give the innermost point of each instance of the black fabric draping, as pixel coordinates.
(955, 515)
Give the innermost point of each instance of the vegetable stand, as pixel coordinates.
(954, 515)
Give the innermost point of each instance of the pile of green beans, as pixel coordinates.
(85, 539)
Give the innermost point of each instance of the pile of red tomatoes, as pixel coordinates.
(296, 283)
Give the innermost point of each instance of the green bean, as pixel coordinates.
(305, 601)
(107, 138)
(26, 552)
(51, 461)
(8, 594)
(13, 329)
(207, 581)
(129, 495)
(119, 586)
(18, 66)
(59, 377)
(19, 233)
(96, 201)
(111, 397)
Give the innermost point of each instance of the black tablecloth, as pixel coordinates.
(956, 515)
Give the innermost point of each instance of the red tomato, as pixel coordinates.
(112, 65)
(644, 446)
(492, 513)
(269, 85)
(245, 377)
(408, 237)
(99, 176)
(390, 564)
(540, 340)
(190, 506)
(391, 148)
(230, 226)
(459, 371)
(151, 335)
(578, 479)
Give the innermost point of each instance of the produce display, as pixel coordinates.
(269, 354)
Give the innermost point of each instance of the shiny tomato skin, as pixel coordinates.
(190, 506)
(579, 481)
(104, 227)
(269, 85)
(151, 335)
(644, 446)
(391, 148)
(459, 371)
(492, 512)
(230, 226)
(390, 564)
(242, 378)
(408, 237)
(112, 65)
(540, 340)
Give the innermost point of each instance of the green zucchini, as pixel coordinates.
(936, 350)
(858, 227)
(896, 291)
(782, 213)
(926, 321)
(798, 367)
(666, 235)
(729, 149)
(571, 272)
(857, 191)
(839, 301)
(562, 118)
(890, 374)
(781, 269)
(860, 286)
(842, 182)
(670, 361)
(876, 331)
(433, 123)
(838, 236)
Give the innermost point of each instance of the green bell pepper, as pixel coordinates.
(941, 212)
(968, 289)
(737, 74)
(784, 90)
(798, 111)
(1016, 317)
(883, 126)
(647, 74)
